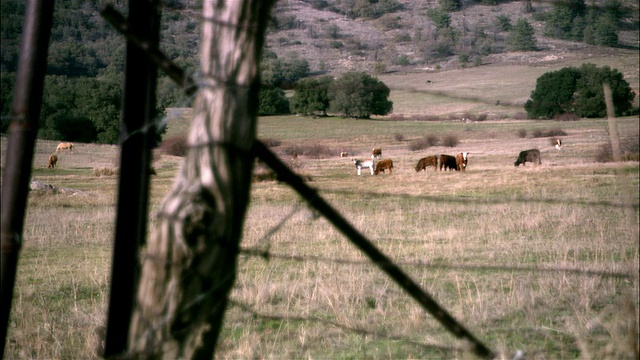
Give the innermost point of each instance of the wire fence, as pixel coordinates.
(392, 268)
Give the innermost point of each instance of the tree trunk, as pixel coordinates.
(189, 265)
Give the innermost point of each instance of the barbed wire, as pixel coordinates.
(267, 255)
(356, 330)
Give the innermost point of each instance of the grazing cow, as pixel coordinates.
(448, 162)
(363, 164)
(65, 146)
(53, 160)
(344, 154)
(376, 153)
(558, 144)
(461, 161)
(427, 161)
(382, 165)
(532, 155)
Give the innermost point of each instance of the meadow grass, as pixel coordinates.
(519, 255)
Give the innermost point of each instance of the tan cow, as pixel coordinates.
(461, 161)
(65, 146)
(376, 153)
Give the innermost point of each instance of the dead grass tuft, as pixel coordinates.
(175, 146)
(105, 171)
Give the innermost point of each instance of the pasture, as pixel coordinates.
(538, 259)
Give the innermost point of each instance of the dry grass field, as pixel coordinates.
(542, 260)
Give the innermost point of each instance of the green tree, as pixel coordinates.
(603, 31)
(579, 91)
(450, 5)
(560, 21)
(440, 18)
(81, 109)
(284, 72)
(311, 96)
(356, 94)
(503, 23)
(522, 37)
(589, 93)
(553, 94)
(272, 101)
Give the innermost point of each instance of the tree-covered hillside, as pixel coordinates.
(306, 37)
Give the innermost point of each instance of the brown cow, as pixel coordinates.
(383, 165)
(448, 162)
(376, 153)
(53, 160)
(427, 161)
(531, 155)
(461, 161)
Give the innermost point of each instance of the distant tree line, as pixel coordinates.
(86, 58)
(354, 94)
(574, 20)
(85, 67)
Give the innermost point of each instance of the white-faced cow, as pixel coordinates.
(363, 164)
(427, 161)
(65, 146)
(558, 143)
(53, 160)
(461, 161)
(531, 155)
(382, 165)
(344, 154)
(376, 153)
(448, 162)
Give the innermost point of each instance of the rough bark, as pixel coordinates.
(189, 265)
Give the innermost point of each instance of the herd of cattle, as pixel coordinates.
(443, 162)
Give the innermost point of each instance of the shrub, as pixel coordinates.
(556, 132)
(419, 144)
(450, 141)
(520, 116)
(522, 133)
(432, 140)
(105, 171)
(537, 133)
(313, 150)
(604, 153)
(269, 142)
(398, 137)
(566, 117)
(176, 146)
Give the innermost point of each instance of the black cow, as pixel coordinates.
(532, 155)
(448, 162)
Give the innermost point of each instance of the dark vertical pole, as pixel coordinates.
(137, 133)
(25, 112)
